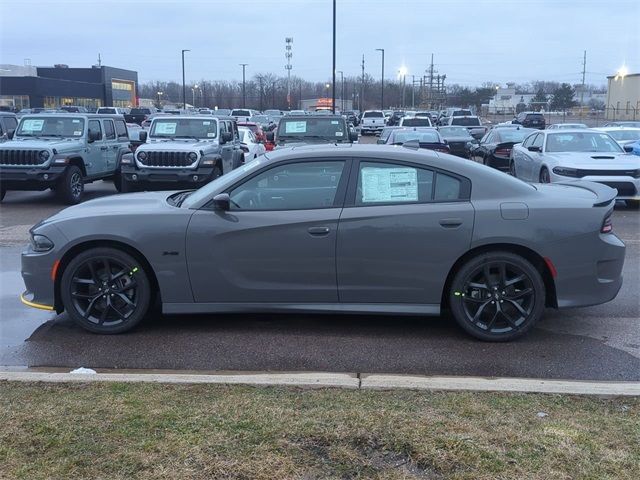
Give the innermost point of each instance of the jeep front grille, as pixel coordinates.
(20, 157)
(166, 159)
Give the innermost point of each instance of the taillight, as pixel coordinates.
(502, 152)
(607, 225)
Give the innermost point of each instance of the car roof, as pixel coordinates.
(307, 117)
(617, 128)
(74, 115)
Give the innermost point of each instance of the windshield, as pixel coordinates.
(107, 110)
(416, 122)
(260, 119)
(328, 128)
(513, 135)
(455, 132)
(51, 127)
(420, 135)
(466, 121)
(140, 111)
(373, 115)
(184, 128)
(625, 134)
(241, 113)
(207, 191)
(582, 142)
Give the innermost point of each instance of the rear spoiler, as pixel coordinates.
(604, 193)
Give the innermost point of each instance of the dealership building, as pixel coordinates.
(50, 87)
(623, 99)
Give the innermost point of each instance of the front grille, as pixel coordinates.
(20, 157)
(625, 189)
(608, 173)
(166, 159)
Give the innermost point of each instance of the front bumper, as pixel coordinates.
(169, 176)
(628, 187)
(30, 178)
(36, 272)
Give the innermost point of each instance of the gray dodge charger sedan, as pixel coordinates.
(334, 228)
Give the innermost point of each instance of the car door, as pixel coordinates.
(524, 158)
(277, 242)
(402, 229)
(535, 158)
(480, 151)
(111, 146)
(94, 161)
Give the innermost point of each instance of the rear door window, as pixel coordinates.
(121, 130)
(389, 183)
(109, 130)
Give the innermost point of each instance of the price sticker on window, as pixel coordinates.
(389, 184)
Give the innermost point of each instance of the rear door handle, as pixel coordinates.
(319, 231)
(451, 222)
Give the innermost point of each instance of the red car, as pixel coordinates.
(256, 129)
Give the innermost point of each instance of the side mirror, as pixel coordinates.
(353, 135)
(534, 148)
(222, 202)
(271, 137)
(93, 136)
(143, 136)
(226, 137)
(445, 141)
(626, 148)
(380, 141)
(10, 134)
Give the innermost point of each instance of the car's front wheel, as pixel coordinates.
(512, 169)
(497, 296)
(545, 177)
(71, 186)
(105, 290)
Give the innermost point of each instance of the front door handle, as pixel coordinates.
(451, 222)
(319, 231)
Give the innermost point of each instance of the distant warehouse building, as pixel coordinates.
(623, 97)
(51, 87)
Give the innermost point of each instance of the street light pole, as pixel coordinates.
(244, 91)
(184, 88)
(382, 80)
(333, 94)
(341, 90)
(158, 94)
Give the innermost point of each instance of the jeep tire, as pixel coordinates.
(71, 186)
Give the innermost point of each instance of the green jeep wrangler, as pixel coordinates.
(63, 151)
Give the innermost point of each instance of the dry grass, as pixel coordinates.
(127, 431)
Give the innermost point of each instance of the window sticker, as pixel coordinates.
(206, 123)
(166, 128)
(296, 127)
(334, 122)
(389, 184)
(77, 133)
(339, 134)
(32, 125)
(75, 121)
(211, 134)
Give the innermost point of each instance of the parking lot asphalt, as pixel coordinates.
(595, 343)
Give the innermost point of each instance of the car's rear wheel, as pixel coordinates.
(105, 290)
(512, 169)
(544, 176)
(71, 186)
(497, 296)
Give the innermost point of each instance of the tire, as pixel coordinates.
(3, 192)
(117, 182)
(514, 286)
(635, 204)
(124, 299)
(544, 176)
(71, 186)
(512, 169)
(126, 186)
(217, 172)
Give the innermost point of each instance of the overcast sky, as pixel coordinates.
(473, 41)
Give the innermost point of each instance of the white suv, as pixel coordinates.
(373, 121)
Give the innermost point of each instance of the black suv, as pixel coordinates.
(530, 120)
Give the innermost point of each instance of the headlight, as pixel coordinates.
(142, 155)
(566, 172)
(40, 243)
(44, 155)
(125, 160)
(193, 156)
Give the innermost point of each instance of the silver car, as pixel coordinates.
(366, 229)
(558, 155)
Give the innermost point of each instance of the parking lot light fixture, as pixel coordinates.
(184, 88)
(244, 89)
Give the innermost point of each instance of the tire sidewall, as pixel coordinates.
(457, 285)
(144, 290)
(64, 188)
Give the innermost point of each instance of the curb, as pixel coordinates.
(337, 380)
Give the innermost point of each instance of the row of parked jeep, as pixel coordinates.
(65, 151)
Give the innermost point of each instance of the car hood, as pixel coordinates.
(188, 145)
(594, 160)
(61, 145)
(140, 204)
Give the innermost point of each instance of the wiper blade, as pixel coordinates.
(178, 199)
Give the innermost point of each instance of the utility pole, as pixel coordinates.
(341, 90)
(413, 92)
(184, 88)
(260, 78)
(244, 91)
(288, 54)
(361, 102)
(333, 70)
(382, 80)
(584, 71)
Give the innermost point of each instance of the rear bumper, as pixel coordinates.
(170, 176)
(30, 178)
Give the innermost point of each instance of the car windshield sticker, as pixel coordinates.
(296, 127)
(206, 123)
(338, 134)
(334, 122)
(32, 125)
(166, 128)
(77, 133)
(389, 184)
(211, 134)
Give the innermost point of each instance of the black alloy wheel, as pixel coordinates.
(544, 176)
(105, 290)
(71, 186)
(497, 296)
